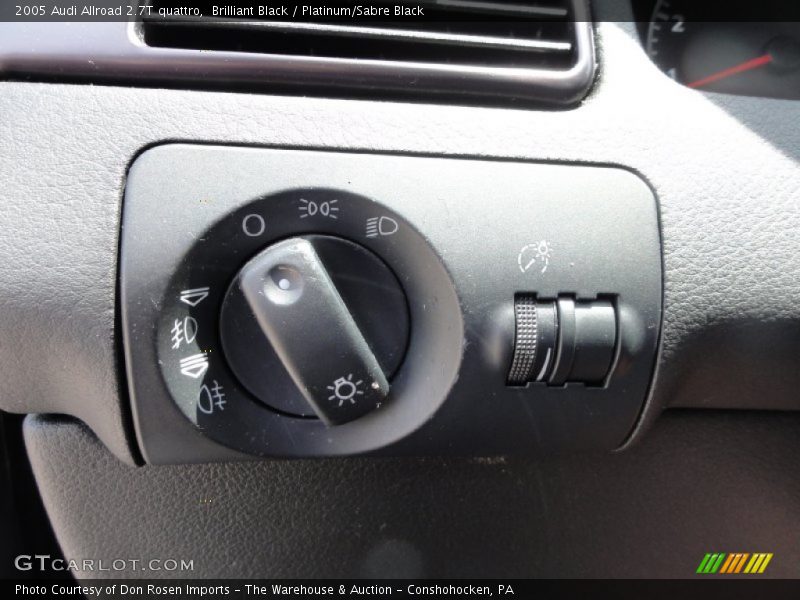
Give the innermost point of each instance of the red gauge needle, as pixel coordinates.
(748, 65)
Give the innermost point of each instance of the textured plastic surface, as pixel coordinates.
(530, 339)
(587, 231)
(723, 167)
(698, 482)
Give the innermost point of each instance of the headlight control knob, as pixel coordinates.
(316, 325)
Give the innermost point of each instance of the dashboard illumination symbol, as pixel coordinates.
(535, 255)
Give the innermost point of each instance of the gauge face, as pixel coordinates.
(734, 57)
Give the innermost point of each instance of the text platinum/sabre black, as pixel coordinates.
(308, 10)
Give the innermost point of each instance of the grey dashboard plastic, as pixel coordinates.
(651, 512)
(724, 170)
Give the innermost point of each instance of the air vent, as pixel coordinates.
(536, 51)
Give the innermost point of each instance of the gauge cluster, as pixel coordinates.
(752, 52)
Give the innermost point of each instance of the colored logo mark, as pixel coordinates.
(734, 563)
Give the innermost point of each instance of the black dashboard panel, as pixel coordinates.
(724, 169)
(587, 236)
(700, 482)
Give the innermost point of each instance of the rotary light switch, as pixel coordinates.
(287, 299)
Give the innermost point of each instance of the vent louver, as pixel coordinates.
(537, 51)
